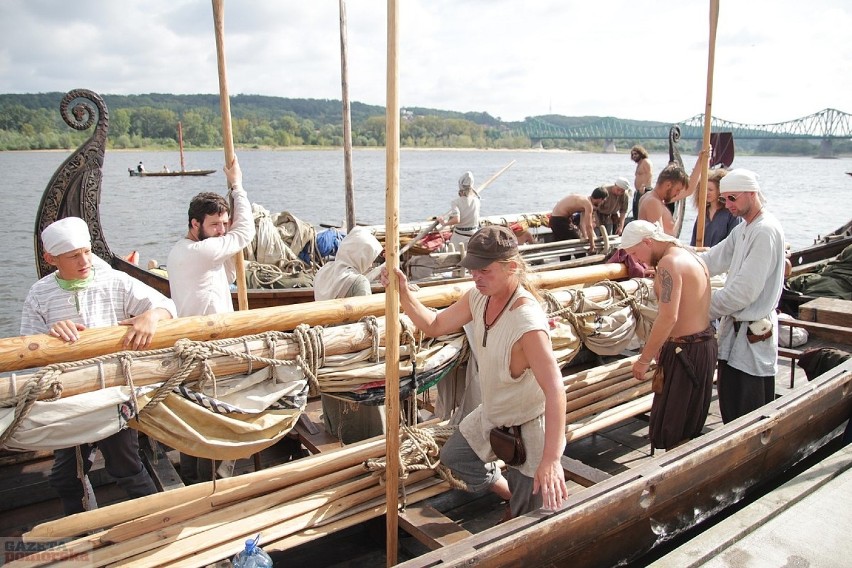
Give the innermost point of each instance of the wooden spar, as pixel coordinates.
(26, 352)
(392, 294)
(337, 340)
(180, 145)
(227, 134)
(347, 121)
(708, 115)
(434, 225)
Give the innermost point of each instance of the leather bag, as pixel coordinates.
(508, 445)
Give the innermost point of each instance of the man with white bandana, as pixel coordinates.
(86, 292)
(464, 211)
(753, 257)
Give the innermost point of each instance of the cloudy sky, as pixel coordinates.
(775, 60)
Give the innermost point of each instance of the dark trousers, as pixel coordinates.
(740, 393)
(121, 460)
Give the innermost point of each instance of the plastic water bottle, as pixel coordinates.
(252, 556)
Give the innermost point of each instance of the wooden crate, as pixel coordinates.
(830, 311)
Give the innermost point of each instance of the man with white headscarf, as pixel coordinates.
(682, 340)
(86, 292)
(753, 257)
(464, 211)
(344, 277)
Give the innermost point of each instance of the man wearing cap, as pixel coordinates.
(682, 340)
(463, 216)
(520, 381)
(612, 211)
(753, 257)
(562, 218)
(86, 292)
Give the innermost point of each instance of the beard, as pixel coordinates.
(202, 234)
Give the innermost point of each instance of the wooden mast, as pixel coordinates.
(227, 135)
(708, 115)
(347, 122)
(180, 145)
(392, 293)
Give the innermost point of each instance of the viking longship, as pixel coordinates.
(232, 385)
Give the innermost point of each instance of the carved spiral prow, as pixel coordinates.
(674, 138)
(75, 188)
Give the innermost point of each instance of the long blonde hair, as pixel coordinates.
(522, 272)
(714, 176)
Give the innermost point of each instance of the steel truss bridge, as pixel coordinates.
(825, 125)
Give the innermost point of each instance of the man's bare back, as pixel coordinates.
(571, 204)
(652, 209)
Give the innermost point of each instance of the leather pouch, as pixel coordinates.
(508, 445)
(658, 380)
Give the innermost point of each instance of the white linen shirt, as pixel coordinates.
(753, 256)
(111, 297)
(201, 272)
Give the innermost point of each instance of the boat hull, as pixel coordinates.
(619, 519)
(134, 173)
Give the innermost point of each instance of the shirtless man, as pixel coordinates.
(672, 185)
(643, 178)
(562, 217)
(682, 340)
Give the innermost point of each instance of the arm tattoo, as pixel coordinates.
(665, 286)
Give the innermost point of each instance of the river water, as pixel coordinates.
(809, 196)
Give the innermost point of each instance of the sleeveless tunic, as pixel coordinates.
(506, 401)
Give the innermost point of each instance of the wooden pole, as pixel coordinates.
(708, 115)
(347, 121)
(180, 145)
(227, 134)
(31, 351)
(392, 292)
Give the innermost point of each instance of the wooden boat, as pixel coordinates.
(74, 190)
(178, 173)
(810, 259)
(181, 172)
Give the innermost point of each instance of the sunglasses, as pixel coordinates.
(732, 198)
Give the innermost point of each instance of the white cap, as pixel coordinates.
(622, 183)
(739, 179)
(466, 181)
(65, 235)
(635, 231)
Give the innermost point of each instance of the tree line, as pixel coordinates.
(32, 122)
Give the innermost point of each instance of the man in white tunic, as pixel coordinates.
(201, 268)
(201, 265)
(520, 379)
(464, 211)
(86, 292)
(753, 257)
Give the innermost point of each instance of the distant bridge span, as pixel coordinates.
(827, 124)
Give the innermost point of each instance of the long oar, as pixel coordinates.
(708, 115)
(227, 134)
(434, 225)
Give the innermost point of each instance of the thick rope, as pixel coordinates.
(419, 449)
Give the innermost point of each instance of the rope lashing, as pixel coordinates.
(419, 449)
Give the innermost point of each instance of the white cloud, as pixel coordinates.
(512, 59)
